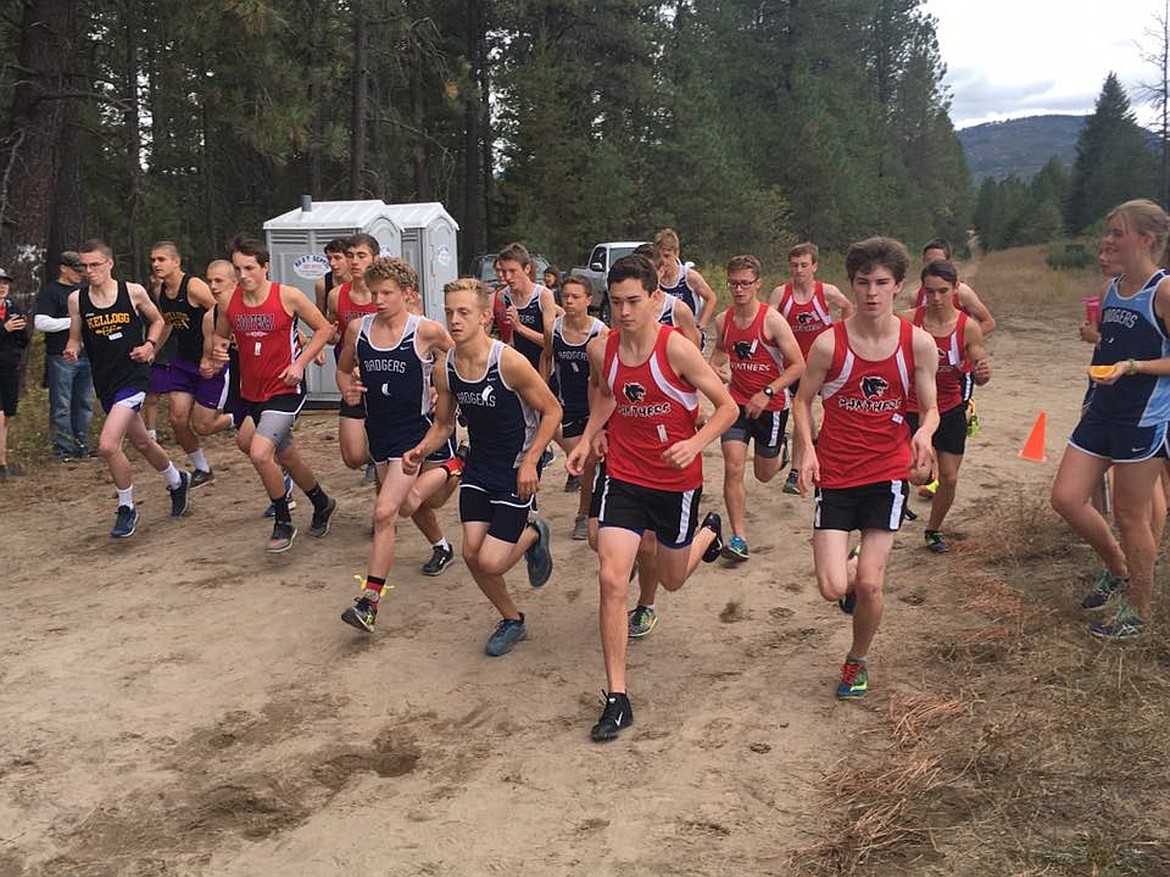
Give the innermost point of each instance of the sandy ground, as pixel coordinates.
(181, 703)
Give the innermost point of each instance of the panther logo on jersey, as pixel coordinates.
(744, 349)
(873, 386)
(806, 319)
(634, 392)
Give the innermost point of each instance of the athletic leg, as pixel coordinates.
(1133, 486)
(617, 548)
(947, 466)
(734, 492)
(1078, 474)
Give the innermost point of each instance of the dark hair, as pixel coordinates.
(247, 246)
(371, 243)
(943, 269)
(634, 267)
(938, 244)
(515, 252)
(337, 245)
(877, 252)
(651, 252)
(806, 248)
(746, 262)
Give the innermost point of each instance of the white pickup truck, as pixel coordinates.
(600, 259)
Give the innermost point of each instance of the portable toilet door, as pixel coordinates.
(429, 243)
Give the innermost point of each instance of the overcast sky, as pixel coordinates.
(1012, 58)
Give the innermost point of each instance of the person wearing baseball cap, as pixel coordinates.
(70, 384)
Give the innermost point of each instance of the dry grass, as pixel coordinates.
(1028, 748)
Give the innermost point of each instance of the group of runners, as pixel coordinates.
(625, 403)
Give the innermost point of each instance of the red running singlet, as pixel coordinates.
(655, 409)
(864, 438)
(348, 310)
(754, 362)
(266, 336)
(952, 365)
(807, 320)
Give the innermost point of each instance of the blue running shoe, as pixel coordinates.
(1102, 591)
(507, 633)
(736, 549)
(125, 522)
(539, 558)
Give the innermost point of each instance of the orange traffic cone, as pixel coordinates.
(1033, 448)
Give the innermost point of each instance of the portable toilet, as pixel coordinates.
(296, 241)
(429, 243)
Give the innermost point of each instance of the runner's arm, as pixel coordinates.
(700, 285)
(601, 406)
(688, 364)
(837, 298)
(776, 297)
(350, 386)
(925, 367)
(974, 306)
(816, 368)
(533, 389)
(156, 327)
(73, 345)
(777, 328)
(977, 354)
(719, 359)
(442, 422)
(684, 319)
(297, 304)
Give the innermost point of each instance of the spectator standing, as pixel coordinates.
(13, 340)
(70, 383)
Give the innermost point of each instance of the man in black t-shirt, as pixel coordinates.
(70, 383)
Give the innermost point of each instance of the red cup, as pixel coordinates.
(1092, 305)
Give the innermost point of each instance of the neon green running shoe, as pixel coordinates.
(854, 681)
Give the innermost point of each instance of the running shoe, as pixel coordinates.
(1122, 625)
(615, 716)
(362, 614)
(1106, 586)
(854, 681)
(321, 519)
(791, 483)
(785, 456)
(927, 491)
(849, 599)
(642, 620)
(972, 418)
(736, 549)
(125, 522)
(539, 558)
(547, 456)
(181, 496)
(507, 633)
(908, 514)
(270, 512)
(580, 528)
(572, 484)
(199, 477)
(370, 476)
(714, 523)
(935, 542)
(282, 538)
(440, 559)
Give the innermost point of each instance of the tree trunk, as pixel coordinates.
(130, 121)
(360, 110)
(472, 181)
(30, 152)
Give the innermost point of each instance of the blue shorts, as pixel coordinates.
(130, 397)
(1120, 442)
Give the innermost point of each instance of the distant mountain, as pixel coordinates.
(1019, 146)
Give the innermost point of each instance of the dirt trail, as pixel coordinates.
(182, 704)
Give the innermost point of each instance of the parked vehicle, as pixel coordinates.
(601, 258)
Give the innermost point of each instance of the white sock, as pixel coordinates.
(171, 474)
(153, 433)
(198, 460)
(126, 497)
(442, 543)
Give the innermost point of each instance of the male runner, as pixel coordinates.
(571, 334)
(511, 415)
(959, 342)
(684, 283)
(765, 359)
(119, 328)
(337, 274)
(262, 317)
(807, 304)
(187, 307)
(864, 369)
(651, 379)
(529, 308)
(395, 352)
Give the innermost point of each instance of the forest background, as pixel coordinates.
(745, 125)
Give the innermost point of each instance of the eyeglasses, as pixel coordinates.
(742, 284)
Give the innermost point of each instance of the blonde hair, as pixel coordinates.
(1145, 217)
(483, 292)
(391, 268)
(667, 239)
(220, 263)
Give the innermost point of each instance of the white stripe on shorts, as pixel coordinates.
(896, 505)
(684, 516)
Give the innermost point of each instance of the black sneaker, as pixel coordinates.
(181, 496)
(362, 614)
(572, 484)
(616, 715)
(125, 522)
(199, 477)
(282, 538)
(714, 523)
(440, 559)
(320, 525)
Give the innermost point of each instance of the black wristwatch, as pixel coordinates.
(768, 391)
